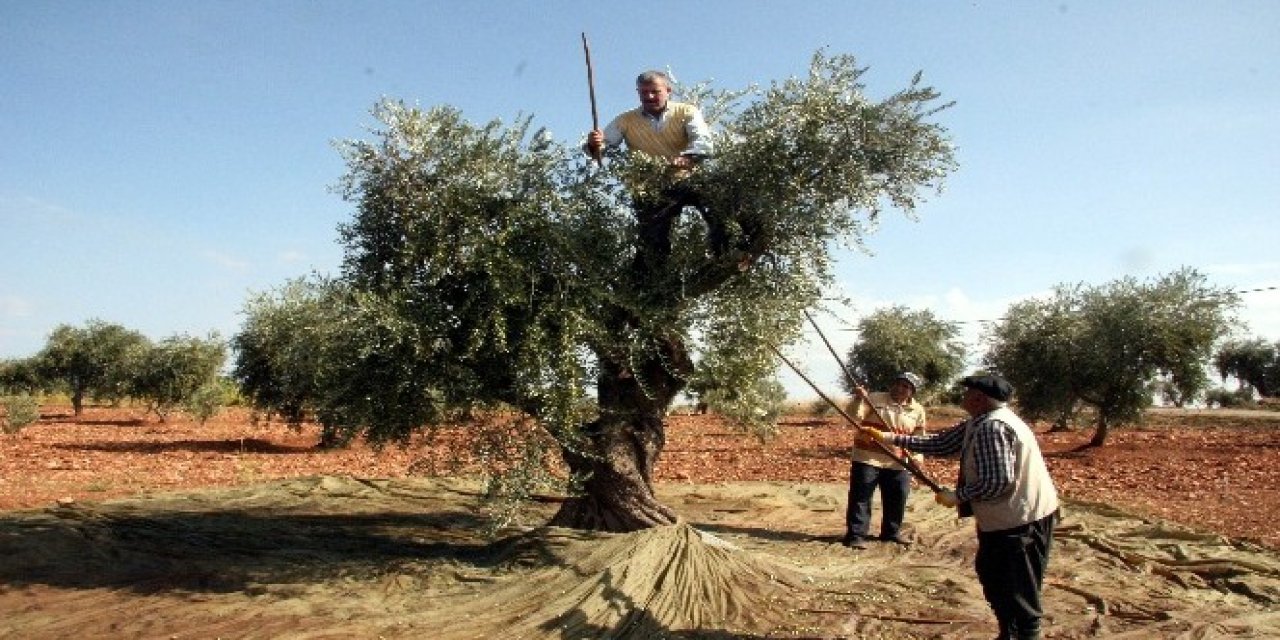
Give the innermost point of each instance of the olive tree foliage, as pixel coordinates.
(753, 404)
(491, 265)
(21, 376)
(93, 360)
(1036, 347)
(1105, 348)
(19, 382)
(208, 399)
(277, 352)
(1238, 398)
(897, 339)
(1254, 362)
(166, 374)
(18, 411)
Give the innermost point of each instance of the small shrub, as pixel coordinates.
(820, 408)
(1220, 397)
(205, 402)
(19, 411)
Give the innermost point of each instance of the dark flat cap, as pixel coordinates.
(992, 386)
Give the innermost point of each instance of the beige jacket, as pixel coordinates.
(907, 418)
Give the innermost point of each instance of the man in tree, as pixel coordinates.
(1005, 485)
(660, 127)
(872, 468)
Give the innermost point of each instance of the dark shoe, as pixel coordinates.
(854, 542)
(898, 540)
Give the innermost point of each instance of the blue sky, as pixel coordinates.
(161, 161)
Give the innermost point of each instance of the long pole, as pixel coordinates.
(848, 373)
(591, 90)
(906, 464)
(858, 388)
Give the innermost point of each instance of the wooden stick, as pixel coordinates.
(848, 374)
(911, 468)
(591, 90)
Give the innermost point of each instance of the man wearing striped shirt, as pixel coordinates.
(1005, 485)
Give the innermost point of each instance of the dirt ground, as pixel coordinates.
(114, 525)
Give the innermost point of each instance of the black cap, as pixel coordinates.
(992, 386)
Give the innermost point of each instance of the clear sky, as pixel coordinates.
(161, 161)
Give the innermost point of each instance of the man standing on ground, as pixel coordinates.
(659, 127)
(1005, 485)
(872, 469)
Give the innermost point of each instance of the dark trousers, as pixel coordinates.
(894, 485)
(1010, 566)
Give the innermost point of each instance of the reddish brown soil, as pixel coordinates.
(1217, 471)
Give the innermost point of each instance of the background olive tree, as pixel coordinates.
(18, 411)
(19, 382)
(1254, 362)
(1104, 348)
(489, 265)
(278, 349)
(897, 339)
(165, 375)
(21, 376)
(108, 362)
(93, 360)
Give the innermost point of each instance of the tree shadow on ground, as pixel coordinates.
(1079, 451)
(812, 422)
(823, 452)
(229, 550)
(638, 623)
(121, 422)
(245, 445)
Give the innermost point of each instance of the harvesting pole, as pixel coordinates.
(906, 463)
(591, 90)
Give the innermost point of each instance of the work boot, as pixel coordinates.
(898, 540)
(856, 543)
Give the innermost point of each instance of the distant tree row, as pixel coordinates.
(1099, 351)
(109, 363)
(314, 350)
(1254, 362)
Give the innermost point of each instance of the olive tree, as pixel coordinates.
(19, 382)
(491, 265)
(166, 374)
(1035, 345)
(90, 360)
(1253, 362)
(278, 350)
(897, 339)
(21, 376)
(1104, 348)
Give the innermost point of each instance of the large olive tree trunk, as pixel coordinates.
(1100, 430)
(625, 441)
(622, 448)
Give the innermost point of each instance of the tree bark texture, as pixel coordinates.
(1100, 432)
(622, 450)
(624, 443)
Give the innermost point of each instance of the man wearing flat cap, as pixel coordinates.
(1005, 485)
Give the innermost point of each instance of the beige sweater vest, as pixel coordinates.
(665, 142)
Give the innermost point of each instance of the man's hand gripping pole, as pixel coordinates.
(906, 463)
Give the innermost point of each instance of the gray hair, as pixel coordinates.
(653, 75)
